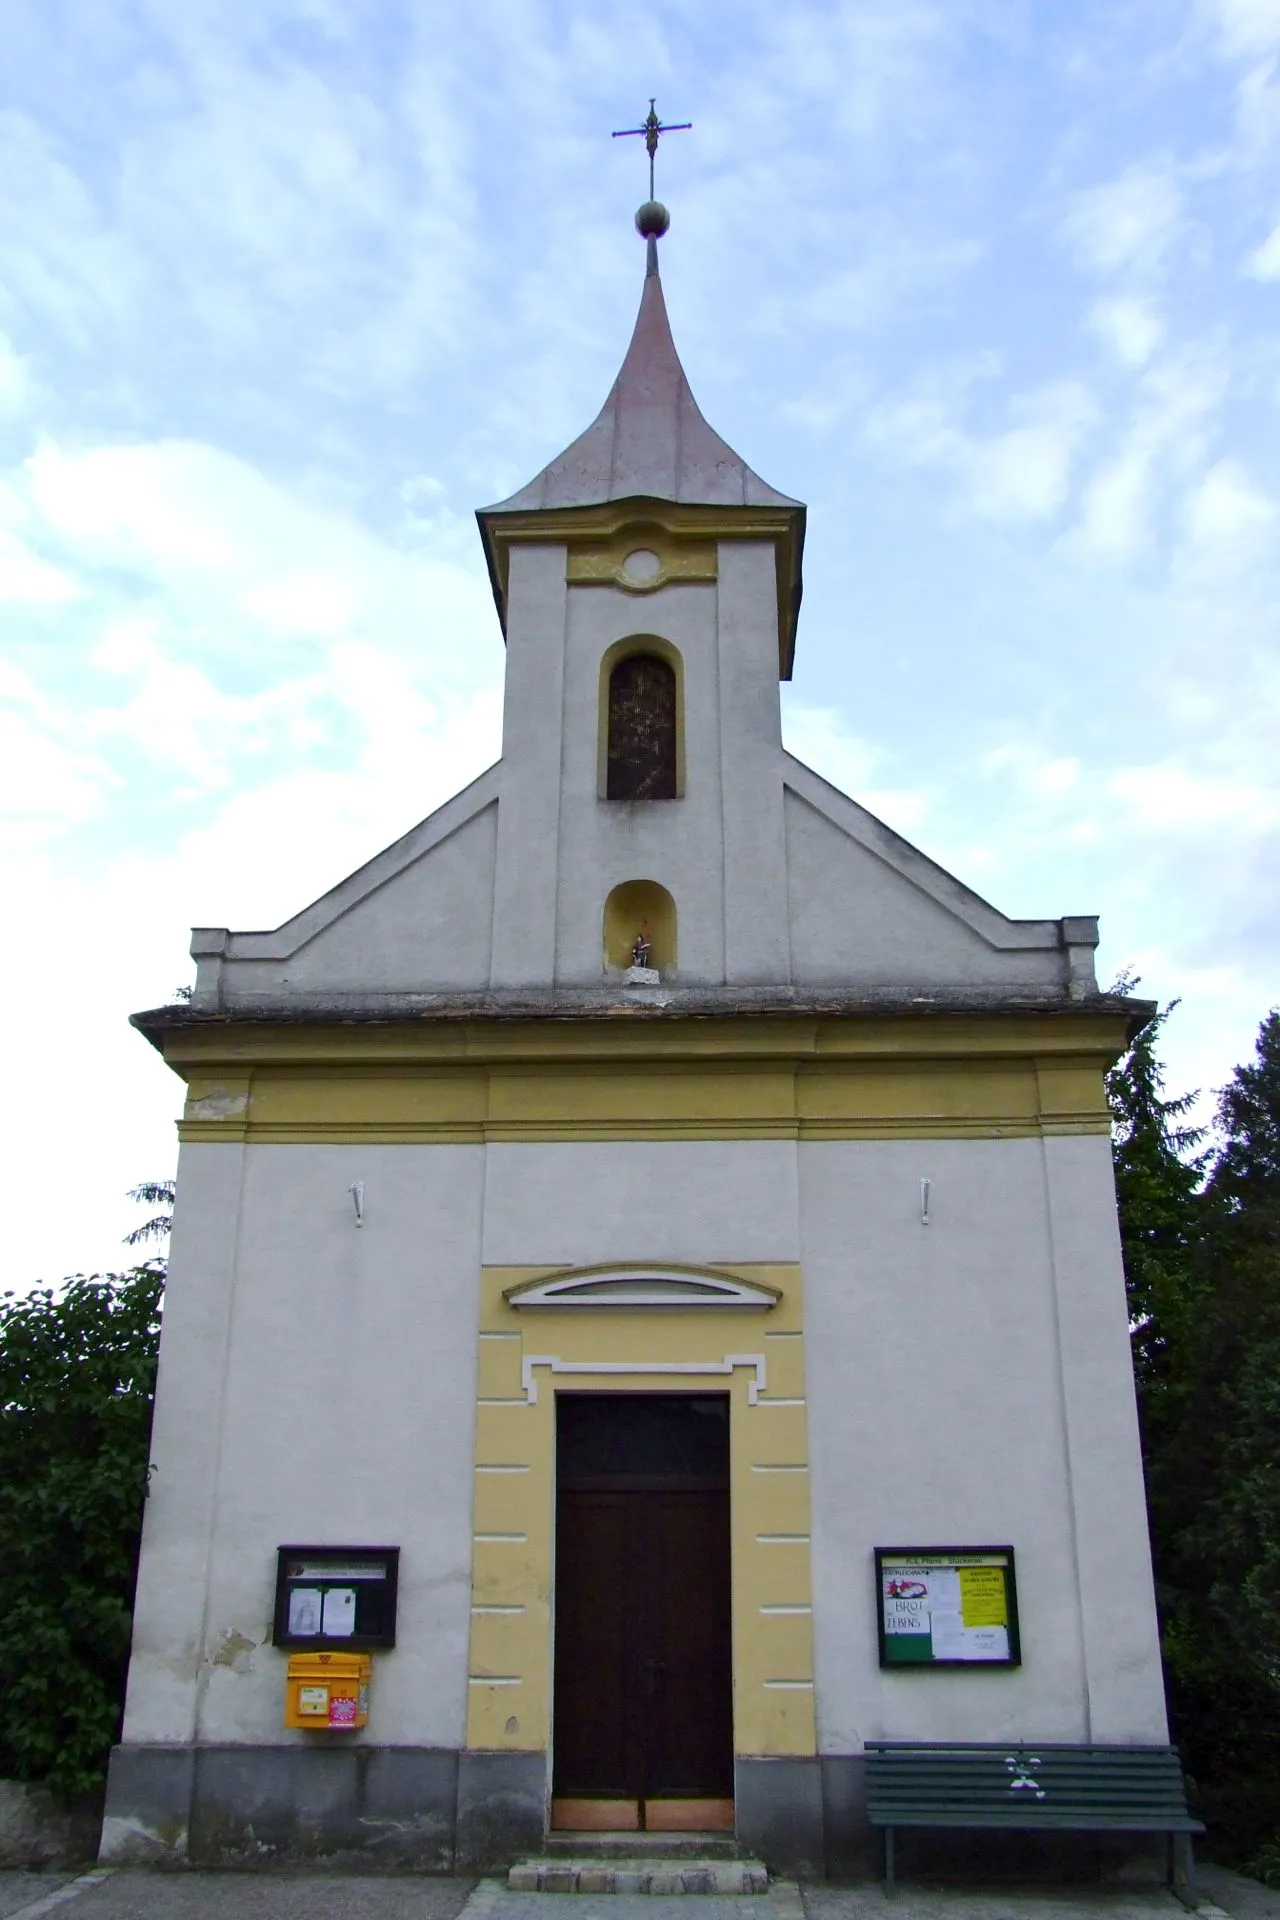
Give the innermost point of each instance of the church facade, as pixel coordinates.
(645, 1312)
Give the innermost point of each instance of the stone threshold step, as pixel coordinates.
(658, 1876)
(603, 1844)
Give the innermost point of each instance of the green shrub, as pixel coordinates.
(77, 1374)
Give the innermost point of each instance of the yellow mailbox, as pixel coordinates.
(327, 1690)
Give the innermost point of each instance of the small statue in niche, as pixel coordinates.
(641, 946)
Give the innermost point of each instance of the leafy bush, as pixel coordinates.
(77, 1374)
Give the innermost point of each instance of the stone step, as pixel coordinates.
(667, 1874)
(606, 1844)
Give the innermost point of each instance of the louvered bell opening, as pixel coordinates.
(642, 729)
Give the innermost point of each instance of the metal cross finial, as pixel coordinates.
(652, 128)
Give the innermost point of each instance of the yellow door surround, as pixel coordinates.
(758, 1356)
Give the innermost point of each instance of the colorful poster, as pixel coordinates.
(946, 1607)
(983, 1600)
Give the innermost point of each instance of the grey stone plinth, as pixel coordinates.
(779, 1815)
(386, 1809)
(502, 1807)
(642, 977)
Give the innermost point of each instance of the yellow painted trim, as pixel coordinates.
(731, 1079)
(512, 1636)
(593, 527)
(550, 1132)
(602, 562)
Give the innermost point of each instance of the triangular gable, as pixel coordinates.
(917, 868)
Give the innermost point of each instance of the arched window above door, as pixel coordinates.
(642, 720)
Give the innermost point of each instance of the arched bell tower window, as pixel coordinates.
(642, 752)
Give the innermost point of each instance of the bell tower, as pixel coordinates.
(647, 582)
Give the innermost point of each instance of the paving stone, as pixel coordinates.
(631, 1880)
(699, 1880)
(596, 1880)
(559, 1880)
(524, 1879)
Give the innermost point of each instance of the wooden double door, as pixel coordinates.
(643, 1731)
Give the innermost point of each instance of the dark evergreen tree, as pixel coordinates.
(1160, 1165)
(1203, 1267)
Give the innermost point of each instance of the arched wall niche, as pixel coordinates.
(660, 767)
(631, 908)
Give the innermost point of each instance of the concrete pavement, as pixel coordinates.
(132, 1894)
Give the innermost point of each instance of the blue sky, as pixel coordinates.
(287, 291)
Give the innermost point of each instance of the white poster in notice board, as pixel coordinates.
(947, 1607)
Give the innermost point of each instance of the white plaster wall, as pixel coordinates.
(524, 906)
(693, 1201)
(968, 1383)
(679, 843)
(169, 1608)
(757, 935)
(857, 922)
(1102, 1429)
(719, 849)
(427, 927)
(345, 1415)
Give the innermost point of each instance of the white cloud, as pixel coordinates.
(176, 717)
(820, 737)
(1023, 474)
(235, 554)
(25, 576)
(1115, 508)
(1226, 510)
(1176, 402)
(1129, 223)
(1130, 327)
(46, 786)
(1171, 800)
(1020, 474)
(1245, 26)
(15, 379)
(1264, 262)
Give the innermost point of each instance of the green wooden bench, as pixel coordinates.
(1031, 1787)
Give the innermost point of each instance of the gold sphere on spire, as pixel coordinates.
(652, 220)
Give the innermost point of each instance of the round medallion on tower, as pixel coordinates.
(641, 568)
(652, 220)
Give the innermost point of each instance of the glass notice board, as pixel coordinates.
(336, 1597)
(947, 1607)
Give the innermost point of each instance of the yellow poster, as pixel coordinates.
(982, 1597)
